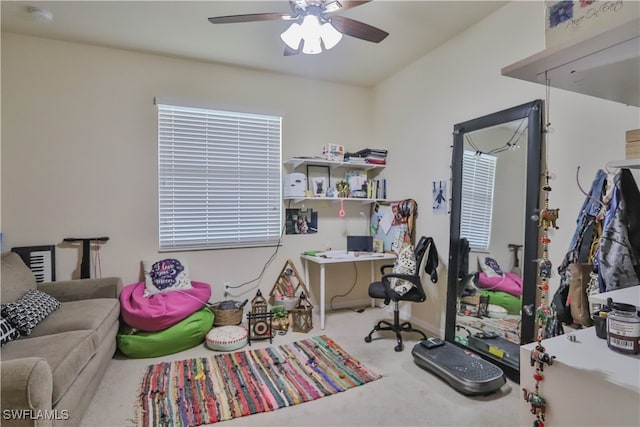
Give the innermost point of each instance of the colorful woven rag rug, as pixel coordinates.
(216, 388)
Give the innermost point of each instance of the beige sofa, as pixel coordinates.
(55, 371)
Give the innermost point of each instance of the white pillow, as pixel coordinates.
(490, 267)
(405, 264)
(166, 275)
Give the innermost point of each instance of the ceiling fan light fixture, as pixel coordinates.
(330, 36)
(292, 36)
(314, 35)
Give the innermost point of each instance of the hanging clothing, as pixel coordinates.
(578, 252)
(584, 234)
(618, 256)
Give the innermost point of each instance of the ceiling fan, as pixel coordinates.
(315, 26)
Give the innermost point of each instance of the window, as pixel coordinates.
(478, 180)
(219, 178)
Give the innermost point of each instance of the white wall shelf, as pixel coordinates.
(331, 166)
(605, 65)
(628, 164)
(311, 161)
(333, 199)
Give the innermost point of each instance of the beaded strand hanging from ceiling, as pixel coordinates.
(539, 357)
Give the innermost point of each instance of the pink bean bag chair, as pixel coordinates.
(161, 311)
(510, 283)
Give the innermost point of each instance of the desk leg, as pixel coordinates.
(306, 276)
(373, 279)
(322, 293)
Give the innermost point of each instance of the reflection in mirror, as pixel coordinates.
(492, 276)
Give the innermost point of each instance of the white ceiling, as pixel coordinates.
(181, 29)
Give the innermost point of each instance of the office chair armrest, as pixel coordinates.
(385, 267)
(410, 277)
(391, 294)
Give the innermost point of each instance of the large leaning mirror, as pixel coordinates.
(494, 241)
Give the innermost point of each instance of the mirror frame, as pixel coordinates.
(532, 111)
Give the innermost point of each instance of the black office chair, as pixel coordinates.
(383, 290)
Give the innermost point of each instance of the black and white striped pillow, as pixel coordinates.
(8, 332)
(29, 310)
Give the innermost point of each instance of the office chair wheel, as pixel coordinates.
(367, 338)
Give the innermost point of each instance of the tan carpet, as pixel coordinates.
(405, 396)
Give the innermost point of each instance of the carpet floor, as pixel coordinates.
(406, 395)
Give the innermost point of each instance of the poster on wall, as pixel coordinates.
(439, 197)
(301, 221)
(391, 224)
(568, 21)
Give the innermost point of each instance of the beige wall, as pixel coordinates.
(79, 143)
(79, 152)
(415, 111)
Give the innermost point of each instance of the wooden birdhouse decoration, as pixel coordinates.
(259, 304)
(302, 315)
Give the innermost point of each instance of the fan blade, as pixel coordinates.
(252, 17)
(358, 29)
(290, 52)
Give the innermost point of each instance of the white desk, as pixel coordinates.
(336, 257)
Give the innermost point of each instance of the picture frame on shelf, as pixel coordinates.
(319, 180)
(319, 185)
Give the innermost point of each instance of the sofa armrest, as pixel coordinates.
(27, 384)
(75, 290)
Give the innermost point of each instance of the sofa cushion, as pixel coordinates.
(66, 353)
(29, 310)
(8, 332)
(16, 278)
(183, 335)
(161, 311)
(96, 314)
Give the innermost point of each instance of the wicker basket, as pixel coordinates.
(226, 317)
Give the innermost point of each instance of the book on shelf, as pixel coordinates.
(368, 152)
(377, 189)
(375, 161)
(370, 155)
(356, 160)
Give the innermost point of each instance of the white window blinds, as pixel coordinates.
(219, 178)
(478, 178)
